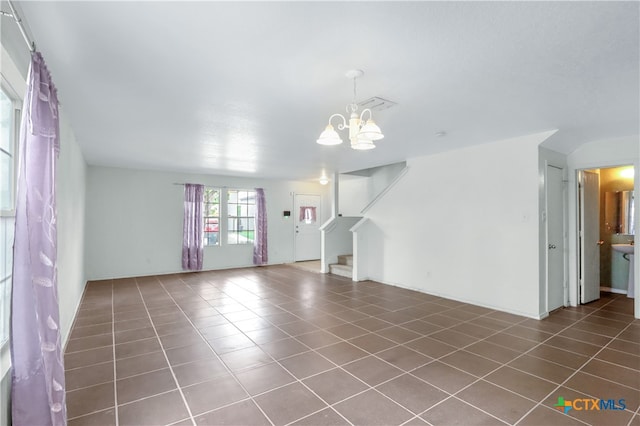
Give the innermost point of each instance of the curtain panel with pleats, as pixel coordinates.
(192, 229)
(37, 385)
(260, 251)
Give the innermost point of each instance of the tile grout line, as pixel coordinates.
(448, 308)
(341, 340)
(603, 347)
(212, 350)
(479, 378)
(298, 308)
(184, 400)
(277, 361)
(579, 370)
(403, 372)
(637, 414)
(321, 355)
(506, 364)
(538, 343)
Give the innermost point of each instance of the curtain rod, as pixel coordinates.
(31, 45)
(185, 183)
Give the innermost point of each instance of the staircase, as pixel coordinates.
(344, 267)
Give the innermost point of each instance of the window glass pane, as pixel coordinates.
(210, 238)
(7, 223)
(6, 123)
(7, 158)
(6, 181)
(240, 214)
(212, 210)
(232, 237)
(6, 264)
(212, 217)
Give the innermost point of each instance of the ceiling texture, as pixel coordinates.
(245, 88)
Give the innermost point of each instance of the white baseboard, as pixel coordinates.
(613, 290)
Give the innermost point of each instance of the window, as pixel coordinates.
(7, 151)
(211, 217)
(241, 213)
(9, 115)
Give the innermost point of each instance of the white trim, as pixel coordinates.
(613, 290)
(5, 359)
(471, 302)
(11, 81)
(384, 191)
(565, 300)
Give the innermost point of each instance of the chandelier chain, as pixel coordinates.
(353, 106)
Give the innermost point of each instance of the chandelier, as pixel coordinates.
(361, 133)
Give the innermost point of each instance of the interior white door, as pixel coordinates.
(307, 227)
(589, 236)
(555, 239)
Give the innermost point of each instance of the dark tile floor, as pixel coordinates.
(279, 345)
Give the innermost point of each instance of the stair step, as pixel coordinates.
(342, 270)
(345, 259)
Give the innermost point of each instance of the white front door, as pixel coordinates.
(589, 236)
(555, 239)
(307, 214)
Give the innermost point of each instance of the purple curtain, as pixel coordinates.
(260, 252)
(192, 231)
(38, 393)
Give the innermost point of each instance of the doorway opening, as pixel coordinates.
(606, 229)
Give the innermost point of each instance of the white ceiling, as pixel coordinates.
(246, 88)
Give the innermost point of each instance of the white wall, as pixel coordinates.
(382, 177)
(134, 221)
(605, 153)
(354, 194)
(71, 200)
(358, 190)
(464, 224)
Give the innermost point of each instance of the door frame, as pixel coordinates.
(565, 298)
(573, 267)
(295, 213)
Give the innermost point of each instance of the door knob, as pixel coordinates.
(552, 246)
(601, 242)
